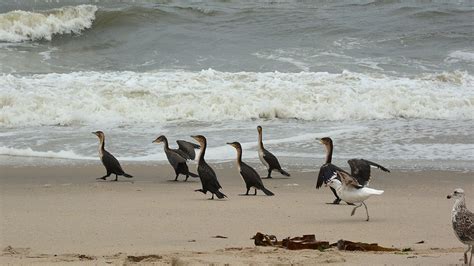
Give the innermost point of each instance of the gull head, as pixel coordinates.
(457, 194)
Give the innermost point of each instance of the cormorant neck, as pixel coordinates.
(260, 140)
(202, 151)
(239, 156)
(166, 146)
(329, 149)
(102, 143)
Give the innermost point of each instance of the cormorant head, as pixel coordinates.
(235, 144)
(160, 139)
(99, 134)
(326, 141)
(457, 194)
(259, 129)
(200, 138)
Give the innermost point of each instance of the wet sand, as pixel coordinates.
(62, 214)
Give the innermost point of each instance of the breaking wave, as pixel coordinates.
(19, 26)
(209, 95)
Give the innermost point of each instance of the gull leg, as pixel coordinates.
(354, 210)
(366, 211)
(470, 260)
(465, 254)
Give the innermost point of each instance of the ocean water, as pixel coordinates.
(389, 81)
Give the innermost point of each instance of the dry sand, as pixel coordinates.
(62, 214)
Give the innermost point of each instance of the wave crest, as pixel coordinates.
(19, 26)
(209, 95)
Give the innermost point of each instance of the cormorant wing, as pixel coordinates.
(250, 175)
(360, 169)
(187, 149)
(271, 159)
(326, 172)
(208, 178)
(174, 158)
(111, 163)
(348, 180)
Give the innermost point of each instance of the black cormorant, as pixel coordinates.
(267, 158)
(206, 173)
(360, 169)
(251, 177)
(112, 165)
(177, 157)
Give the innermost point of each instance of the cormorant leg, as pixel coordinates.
(337, 200)
(255, 194)
(269, 173)
(116, 177)
(212, 196)
(354, 210)
(104, 177)
(366, 211)
(248, 189)
(187, 176)
(176, 178)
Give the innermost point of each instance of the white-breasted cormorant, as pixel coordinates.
(206, 173)
(351, 191)
(251, 177)
(177, 157)
(267, 158)
(463, 222)
(360, 169)
(112, 165)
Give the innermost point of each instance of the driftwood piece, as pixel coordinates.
(359, 246)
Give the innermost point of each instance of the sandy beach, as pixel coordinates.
(62, 214)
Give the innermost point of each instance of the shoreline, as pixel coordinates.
(64, 210)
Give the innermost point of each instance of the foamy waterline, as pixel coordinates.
(18, 26)
(208, 95)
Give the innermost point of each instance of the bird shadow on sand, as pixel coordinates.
(252, 195)
(352, 220)
(275, 178)
(180, 181)
(118, 181)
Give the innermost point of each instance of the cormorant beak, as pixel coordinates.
(156, 141)
(95, 133)
(321, 141)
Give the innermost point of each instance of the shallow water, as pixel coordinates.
(390, 82)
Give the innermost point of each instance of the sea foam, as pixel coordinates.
(206, 96)
(18, 26)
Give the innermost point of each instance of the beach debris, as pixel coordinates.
(9, 250)
(261, 239)
(360, 246)
(310, 242)
(192, 240)
(304, 242)
(295, 243)
(420, 242)
(219, 236)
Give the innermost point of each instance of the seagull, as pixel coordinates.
(463, 222)
(360, 169)
(351, 191)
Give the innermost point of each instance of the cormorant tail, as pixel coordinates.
(127, 175)
(193, 174)
(283, 172)
(220, 195)
(267, 192)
